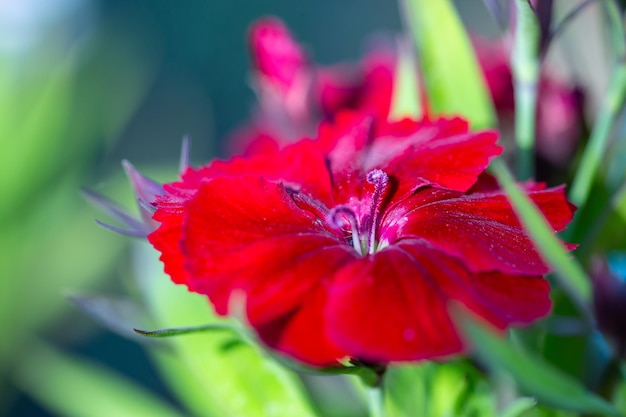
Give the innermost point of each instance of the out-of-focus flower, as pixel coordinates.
(282, 76)
(351, 245)
(609, 303)
(295, 95)
(559, 107)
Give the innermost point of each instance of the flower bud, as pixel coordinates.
(609, 302)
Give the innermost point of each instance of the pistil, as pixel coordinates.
(362, 217)
(380, 180)
(339, 216)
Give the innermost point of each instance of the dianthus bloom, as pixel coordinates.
(352, 245)
(295, 94)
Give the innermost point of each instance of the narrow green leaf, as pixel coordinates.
(72, 387)
(59, 244)
(619, 201)
(375, 401)
(618, 31)
(571, 277)
(242, 381)
(599, 139)
(613, 101)
(35, 136)
(453, 79)
(535, 376)
(405, 100)
(179, 331)
(519, 406)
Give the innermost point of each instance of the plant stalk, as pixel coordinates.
(376, 401)
(525, 65)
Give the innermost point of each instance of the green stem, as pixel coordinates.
(618, 36)
(525, 65)
(375, 401)
(613, 100)
(599, 139)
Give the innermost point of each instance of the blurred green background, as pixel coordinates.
(83, 85)
(87, 83)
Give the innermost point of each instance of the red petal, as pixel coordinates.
(377, 87)
(366, 88)
(499, 298)
(480, 229)
(442, 153)
(247, 234)
(253, 140)
(166, 239)
(302, 334)
(301, 166)
(438, 153)
(392, 306)
(386, 308)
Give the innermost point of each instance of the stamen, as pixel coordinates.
(380, 180)
(308, 203)
(339, 216)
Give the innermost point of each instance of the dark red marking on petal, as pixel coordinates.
(499, 298)
(480, 229)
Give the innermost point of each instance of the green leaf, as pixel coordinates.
(405, 100)
(619, 201)
(612, 103)
(535, 376)
(44, 253)
(519, 406)
(592, 158)
(73, 387)
(437, 390)
(453, 79)
(572, 278)
(34, 137)
(179, 331)
(241, 381)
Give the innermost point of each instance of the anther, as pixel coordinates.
(308, 203)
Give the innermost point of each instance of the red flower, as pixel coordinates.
(295, 94)
(353, 244)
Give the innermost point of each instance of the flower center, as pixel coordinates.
(360, 220)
